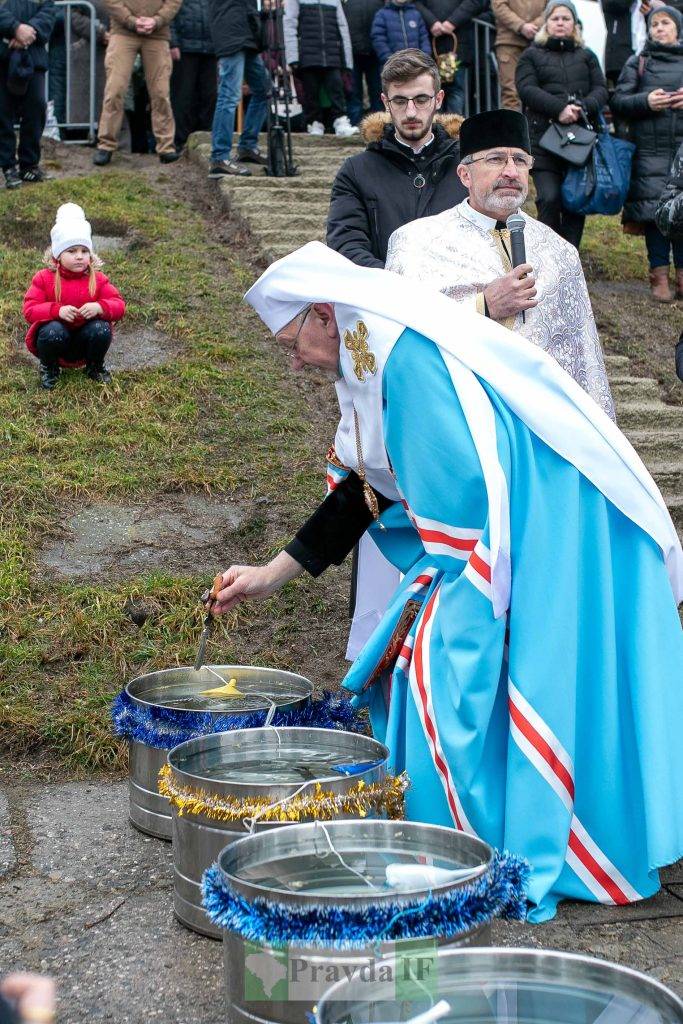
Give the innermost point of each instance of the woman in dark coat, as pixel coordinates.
(556, 77)
(649, 95)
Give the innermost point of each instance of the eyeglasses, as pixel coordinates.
(421, 102)
(292, 343)
(500, 160)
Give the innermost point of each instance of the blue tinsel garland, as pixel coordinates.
(165, 727)
(499, 892)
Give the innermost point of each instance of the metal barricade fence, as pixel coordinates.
(482, 86)
(91, 124)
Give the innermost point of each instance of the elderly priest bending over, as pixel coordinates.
(526, 674)
(465, 253)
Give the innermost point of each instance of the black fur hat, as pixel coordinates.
(494, 128)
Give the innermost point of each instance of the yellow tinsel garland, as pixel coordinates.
(382, 798)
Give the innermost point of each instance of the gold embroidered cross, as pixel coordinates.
(357, 343)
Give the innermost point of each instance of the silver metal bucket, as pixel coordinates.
(198, 839)
(265, 985)
(501, 986)
(175, 689)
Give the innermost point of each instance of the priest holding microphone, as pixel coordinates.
(467, 253)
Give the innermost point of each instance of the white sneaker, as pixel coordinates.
(343, 128)
(316, 128)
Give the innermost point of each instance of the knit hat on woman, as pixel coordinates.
(561, 3)
(71, 228)
(670, 12)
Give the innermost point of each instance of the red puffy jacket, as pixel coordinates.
(40, 304)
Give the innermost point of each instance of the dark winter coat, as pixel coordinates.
(657, 134)
(374, 192)
(191, 27)
(235, 26)
(549, 75)
(40, 15)
(460, 14)
(619, 44)
(316, 34)
(669, 213)
(80, 58)
(359, 15)
(399, 27)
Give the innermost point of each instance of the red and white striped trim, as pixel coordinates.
(420, 685)
(422, 581)
(543, 749)
(478, 570)
(443, 539)
(406, 654)
(334, 477)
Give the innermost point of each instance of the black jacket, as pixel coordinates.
(619, 44)
(317, 34)
(235, 26)
(359, 15)
(460, 14)
(669, 213)
(374, 192)
(657, 135)
(547, 76)
(40, 15)
(191, 27)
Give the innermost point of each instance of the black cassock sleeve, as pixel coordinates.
(335, 527)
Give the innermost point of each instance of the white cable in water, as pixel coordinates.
(338, 855)
(435, 1012)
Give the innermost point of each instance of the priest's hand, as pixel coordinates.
(512, 293)
(254, 582)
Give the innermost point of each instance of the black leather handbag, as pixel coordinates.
(570, 142)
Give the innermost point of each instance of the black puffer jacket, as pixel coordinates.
(359, 15)
(316, 34)
(547, 76)
(619, 43)
(669, 213)
(374, 192)
(40, 15)
(657, 134)
(235, 26)
(191, 27)
(460, 14)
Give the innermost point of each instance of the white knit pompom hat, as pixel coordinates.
(71, 228)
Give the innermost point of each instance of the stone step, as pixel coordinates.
(614, 363)
(654, 446)
(295, 239)
(668, 475)
(261, 220)
(634, 389)
(266, 184)
(655, 415)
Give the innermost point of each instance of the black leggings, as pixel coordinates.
(549, 206)
(56, 340)
(311, 80)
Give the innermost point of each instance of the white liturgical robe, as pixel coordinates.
(460, 252)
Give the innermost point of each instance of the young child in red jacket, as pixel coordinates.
(70, 305)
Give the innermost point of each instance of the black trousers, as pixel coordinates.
(56, 340)
(548, 184)
(311, 80)
(29, 111)
(194, 82)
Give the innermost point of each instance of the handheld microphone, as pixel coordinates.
(515, 225)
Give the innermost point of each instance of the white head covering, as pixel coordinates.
(71, 228)
(529, 381)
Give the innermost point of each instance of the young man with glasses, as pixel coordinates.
(466, 253)
(408, 169)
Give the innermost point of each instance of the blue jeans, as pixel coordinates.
(454, 93)
(245, 65)
(658, 248)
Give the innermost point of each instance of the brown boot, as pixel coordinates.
(659, 284)
(679, 282)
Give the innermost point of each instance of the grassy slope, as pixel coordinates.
(224, 418)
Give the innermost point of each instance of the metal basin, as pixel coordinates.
(294, 866)
(213, 765)
(177, 689)
(500, 986)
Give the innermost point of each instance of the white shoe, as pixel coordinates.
(316, 128)
(343, 128)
